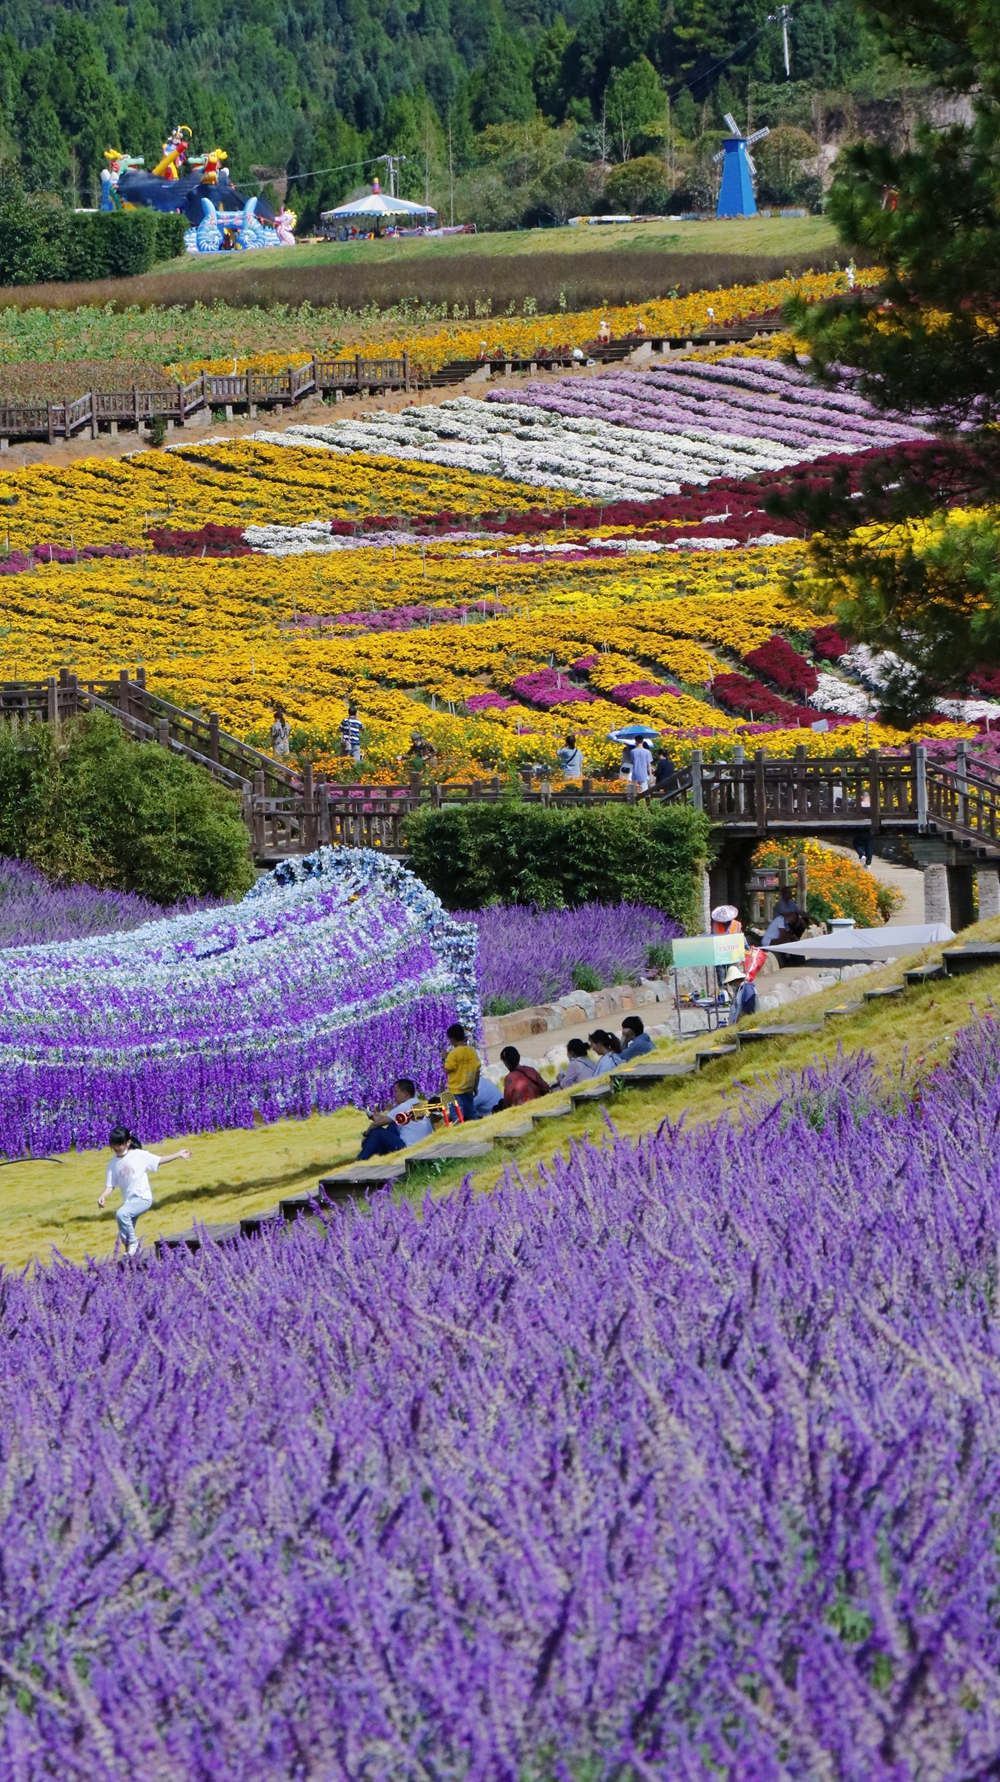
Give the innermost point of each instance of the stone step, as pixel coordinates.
(842, 1008)
(556, 1113)
(448, 1154)
(254, 1223)
(355, 1178)
(789, 1030)
(714, 1054)
(590, 1092)
(924, 974)
(294, 1205)
(642, 1075)
(885, 993)
(193, 1238)
(976, 958)
(511, 1134)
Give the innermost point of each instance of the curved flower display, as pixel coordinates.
(330, 978)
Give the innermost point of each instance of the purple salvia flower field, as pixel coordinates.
(679, 1463)
(528, 955)
(35, 911)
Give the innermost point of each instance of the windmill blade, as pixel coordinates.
(731, 122)
(751, 163)
(719, 157)
(758, 136)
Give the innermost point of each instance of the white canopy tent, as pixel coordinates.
(847, 945)
(376, 204)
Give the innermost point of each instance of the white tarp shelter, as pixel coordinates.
(868, 943)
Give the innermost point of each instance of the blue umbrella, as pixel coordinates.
(631, 733)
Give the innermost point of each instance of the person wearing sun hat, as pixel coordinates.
(744, 994)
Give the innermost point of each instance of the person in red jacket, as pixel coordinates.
(522, 1082)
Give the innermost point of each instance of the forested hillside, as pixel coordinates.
(455, 84)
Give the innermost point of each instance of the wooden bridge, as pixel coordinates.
(954, 810)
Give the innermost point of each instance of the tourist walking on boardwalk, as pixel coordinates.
(130, 1173)
(642, 763)
(281, 732)
(350, 734)
(570, 759)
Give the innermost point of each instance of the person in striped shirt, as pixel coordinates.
(350, 734)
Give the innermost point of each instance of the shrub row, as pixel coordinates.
(512, 852)
(42, 243)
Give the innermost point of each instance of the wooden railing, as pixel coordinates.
(176, 403)
(291, 813)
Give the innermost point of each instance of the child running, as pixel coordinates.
(130, 1173)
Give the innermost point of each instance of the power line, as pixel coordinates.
(780, 17)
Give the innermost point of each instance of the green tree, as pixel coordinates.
(934, 602)
(548, 70)
(502, 90)
(635, 107)
(85, 804)
(639, 185)
(930, 215)
(516, 853)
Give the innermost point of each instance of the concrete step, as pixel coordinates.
(642, 1075)
(924, 974)
(975, 958)
(789, 1030)
(715, 1054)
(591, 1092)
(193, 1238)
(842, 1008)
(448, 1154)
(254, 1223)
(355, 1178)
(885, 993)
(511, 1134)
(553, 1113)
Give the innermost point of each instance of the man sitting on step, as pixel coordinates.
(635, 1039)
(395, 1128)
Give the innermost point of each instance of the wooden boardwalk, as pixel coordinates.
(288, 813)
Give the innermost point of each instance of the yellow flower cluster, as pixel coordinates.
(524, 336)
(100, 501)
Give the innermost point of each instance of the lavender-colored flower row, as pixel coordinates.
(34, 911)
(743, 398)
(330, 979)
(682, 1464)
(528, 955)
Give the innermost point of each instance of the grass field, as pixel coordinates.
(53, 1205)
(553, 268)
(749, 235)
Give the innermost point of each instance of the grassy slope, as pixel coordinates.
(580, 267)
(236, 1173)
(752, 235)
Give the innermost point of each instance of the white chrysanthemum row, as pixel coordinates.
(593, 458)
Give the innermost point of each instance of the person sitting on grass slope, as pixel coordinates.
(578, 1067)
(635, 1039)
(522, 1082)
(606, 1047)
(130, 1173)
(394, 1128)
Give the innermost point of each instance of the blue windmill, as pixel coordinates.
(736, 197)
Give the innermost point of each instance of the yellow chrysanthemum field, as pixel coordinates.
(572, 554)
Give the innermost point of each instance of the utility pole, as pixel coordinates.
(451, 174)
(393, 162)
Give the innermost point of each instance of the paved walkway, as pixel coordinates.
(907, 880)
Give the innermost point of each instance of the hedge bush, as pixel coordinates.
(512, 852)
(88, 806)
(41, 242)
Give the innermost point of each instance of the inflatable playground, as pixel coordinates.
(199, 188)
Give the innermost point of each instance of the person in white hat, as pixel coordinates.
(743, 993)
